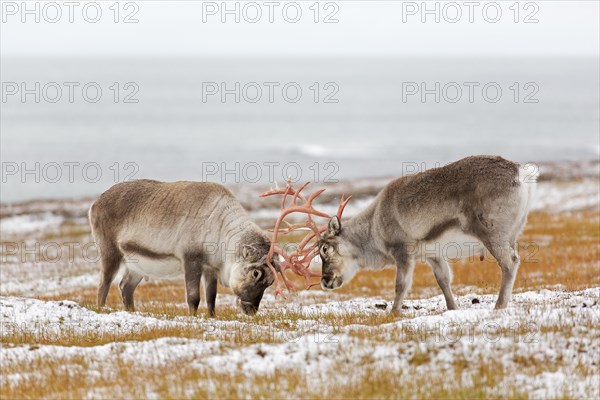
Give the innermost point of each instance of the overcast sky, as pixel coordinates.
(195, 28)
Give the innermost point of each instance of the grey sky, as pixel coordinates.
(363, 28)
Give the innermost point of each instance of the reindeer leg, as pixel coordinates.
(128, 284)
(193, 274)
(443, 276)
(210, 292)
(405, 265)
(508, 260)
(111, 260)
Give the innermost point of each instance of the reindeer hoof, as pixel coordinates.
(396, 313)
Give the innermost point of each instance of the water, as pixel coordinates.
(172, 134)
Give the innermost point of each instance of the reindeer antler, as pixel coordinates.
(298, 261)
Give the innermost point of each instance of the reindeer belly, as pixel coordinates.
(149, 262)
(155, 268)
(452, 243)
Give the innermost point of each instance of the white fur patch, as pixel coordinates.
(452, 244)
(155, 268)
(528, 175)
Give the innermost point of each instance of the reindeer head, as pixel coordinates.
(339, 265)
(251, 275)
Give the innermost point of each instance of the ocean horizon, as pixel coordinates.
(236, 120)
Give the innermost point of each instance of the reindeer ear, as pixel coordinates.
(335, 226)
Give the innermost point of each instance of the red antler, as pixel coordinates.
(298, 261)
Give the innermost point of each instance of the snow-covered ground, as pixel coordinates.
(567, 196)
(542, 328)
(545, 345)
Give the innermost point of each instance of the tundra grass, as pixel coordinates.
(557, 251)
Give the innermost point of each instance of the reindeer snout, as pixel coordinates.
(249, 307)
(331, 282)
(327, 283)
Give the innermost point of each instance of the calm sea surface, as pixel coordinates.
(312, 119)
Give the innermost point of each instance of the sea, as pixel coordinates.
(72, 127)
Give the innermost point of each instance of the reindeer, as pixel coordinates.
(196, 229)
(478, 203)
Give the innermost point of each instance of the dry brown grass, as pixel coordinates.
(556, 249)
(362, 381)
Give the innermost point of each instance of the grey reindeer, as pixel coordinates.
(164, 230)
(477, 203)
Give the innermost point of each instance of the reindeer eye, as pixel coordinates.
(256, 274)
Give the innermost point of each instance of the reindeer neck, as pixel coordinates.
(247, 233)
(359, 234)
(233, 241)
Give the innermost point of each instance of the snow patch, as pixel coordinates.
(27, 223)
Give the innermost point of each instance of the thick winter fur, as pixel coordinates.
(455, 211)
(161, 230)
